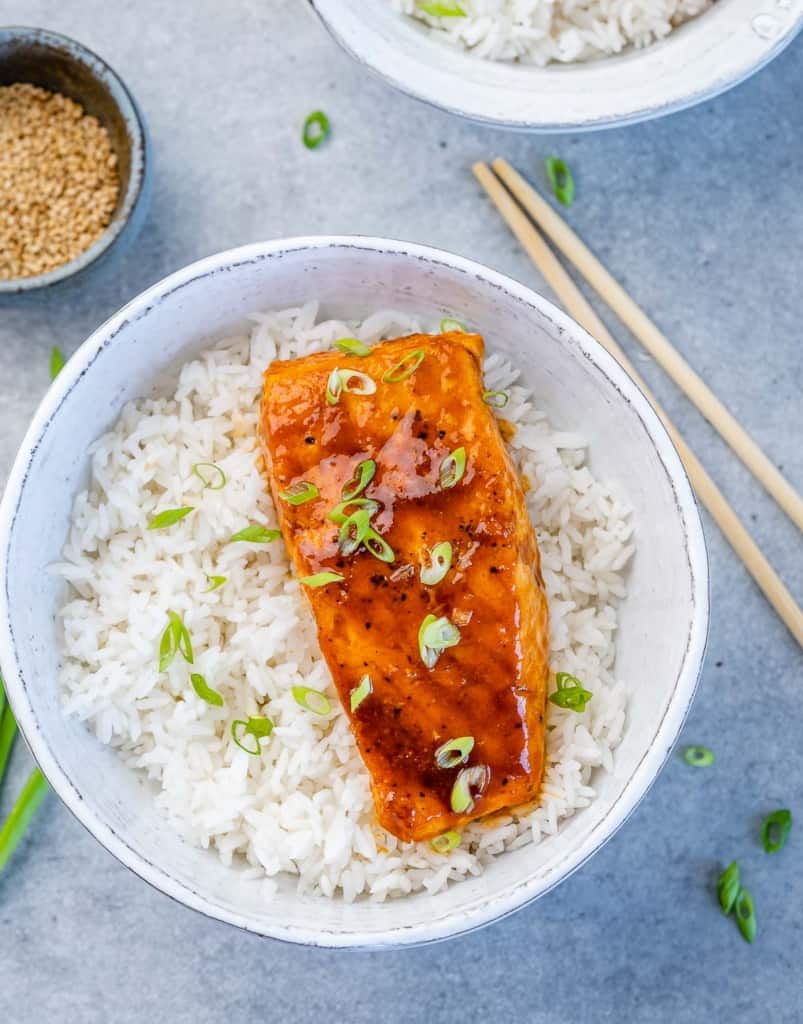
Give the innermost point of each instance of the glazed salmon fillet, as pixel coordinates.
(444, 679)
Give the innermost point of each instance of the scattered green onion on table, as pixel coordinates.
(34, 790)
(316, 129)
(560, 178)
(57, 362)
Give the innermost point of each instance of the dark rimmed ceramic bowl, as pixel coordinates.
(60, 64)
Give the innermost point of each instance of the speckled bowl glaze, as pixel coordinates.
(663, 622)
(700, 59)
(60, 64)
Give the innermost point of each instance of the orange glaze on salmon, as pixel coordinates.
(491, 685)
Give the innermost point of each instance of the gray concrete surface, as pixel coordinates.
(700, 216)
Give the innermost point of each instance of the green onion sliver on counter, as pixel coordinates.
(360, 692)
(363, 475)
(312, 700)
(57, 362)
(204, 691)
(728, 887)
(560, 178)
(321, 579)
(376, 544)
(441, 8)
(353, 347)
(8, 730)
(698, 757)
(469, 783)
(299, 493)
(169, 517)
(440, 561)
(316, 129)
(175, 639)
(452, 468)
(496, 399)
(449, 326)
(445, 843)
(255, 727)
(745, 915)
(435, 636)
(570, 693)
(454, 752)
(775, 830)
(255, 535)
(211, 475)
(341, 512)
(405, 367)
(15, 825)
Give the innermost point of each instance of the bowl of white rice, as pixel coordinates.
(283, 841)
(562, 65)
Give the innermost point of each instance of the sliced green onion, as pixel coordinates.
(175, 640)
(353, 530)
(469, 783)
(405, 367)
(215, 480)
(8, 733)
(299, 493)
(334, 386)
(316, 129)
(16, 824)
(560, 178)
(440, 561)
(363, 475)
(214, 583)
(256, 535)
(452, 468)
(353, 347)
(312, 700)
(445, 843)
(365, 385)
(745, 915)
(57, 362)
(570, 693)
(449, 326)
(360, 692)
(339, 513)
(496, 399)
(728, 887)
(775, 830)
(320, 579)
(378, 546)
(698, 757)
(434, 636)
(454, 752)
(441, 9)
(204, 691)
(169, 517)
(257, 728)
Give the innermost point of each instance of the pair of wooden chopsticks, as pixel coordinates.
(507, 189)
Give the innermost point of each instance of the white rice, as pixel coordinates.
(303, 807)
(540, 31)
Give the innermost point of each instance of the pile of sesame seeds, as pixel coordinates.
(58, 180)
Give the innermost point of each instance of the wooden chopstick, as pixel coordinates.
(578, 306)
(614, 295)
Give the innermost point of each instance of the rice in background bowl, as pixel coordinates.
(663, 620)
(701, 58)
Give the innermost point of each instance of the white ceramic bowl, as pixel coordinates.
(663, 621)
(702, 58)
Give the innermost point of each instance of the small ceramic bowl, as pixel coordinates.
(59, 64)
(663, 621)
(703, 57)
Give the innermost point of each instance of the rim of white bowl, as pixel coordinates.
(458, 921)
(700, 59)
